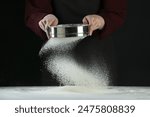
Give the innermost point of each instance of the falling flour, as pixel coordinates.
(62, 64)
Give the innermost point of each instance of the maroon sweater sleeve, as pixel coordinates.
(114, 13)
(35, 11)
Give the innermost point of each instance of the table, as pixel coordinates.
(74, 93)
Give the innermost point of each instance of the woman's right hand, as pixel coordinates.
(48, 20)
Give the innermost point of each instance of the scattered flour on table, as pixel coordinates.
(61, 63)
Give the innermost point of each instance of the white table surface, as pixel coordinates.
(74, 93)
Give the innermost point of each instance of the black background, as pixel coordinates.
(19, 47)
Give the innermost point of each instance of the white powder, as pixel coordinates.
(59, 45)
(68, 71)
(71, 73)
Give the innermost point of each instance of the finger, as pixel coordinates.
(85, 21)
(93, 27)
(89, 20)
(51, 22)
(95, 23)
(93, 19)
(41, 24)
(55, 22)
(98, 23)
(90, 30)
(44, 21)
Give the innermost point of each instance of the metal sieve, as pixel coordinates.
(67, 30)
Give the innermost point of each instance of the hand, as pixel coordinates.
(95, 22)
(48, 20)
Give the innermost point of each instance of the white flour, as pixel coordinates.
(59, 45)
(68, 71)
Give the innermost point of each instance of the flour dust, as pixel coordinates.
(62, 64)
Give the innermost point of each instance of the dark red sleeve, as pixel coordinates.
(114, 13)
(35, 11)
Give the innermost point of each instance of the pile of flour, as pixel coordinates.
(62, 64)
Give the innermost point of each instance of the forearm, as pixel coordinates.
(35, 11)
(114, 13)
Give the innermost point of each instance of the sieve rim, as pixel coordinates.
(69, 25)
(68, 30)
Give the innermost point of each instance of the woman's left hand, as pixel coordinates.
(95, 22)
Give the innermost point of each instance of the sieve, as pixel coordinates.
(67, 30)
